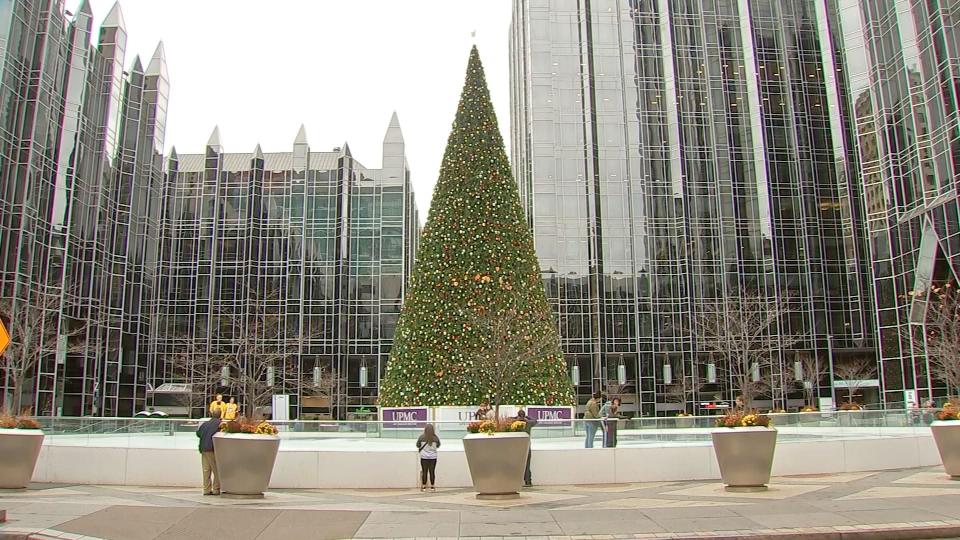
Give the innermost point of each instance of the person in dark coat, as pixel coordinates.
(205, 432)
(528, 425)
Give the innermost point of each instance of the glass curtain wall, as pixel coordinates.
(672, 154)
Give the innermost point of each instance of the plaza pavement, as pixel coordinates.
(914, 503)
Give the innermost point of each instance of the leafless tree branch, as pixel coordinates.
(511, 342)
(854, 372)
(745, 332)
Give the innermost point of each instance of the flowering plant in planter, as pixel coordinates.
(809, 409)
(243, 425)
(735, 419)
(9, 421)
(950, 411)
(490, 427)
(20, 442)
(683, 414)
(850, 406)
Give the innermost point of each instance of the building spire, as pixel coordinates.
(394, 133)
(114, 18)
(257, 152)
(158, 64)
(301, 136)
(214, 140)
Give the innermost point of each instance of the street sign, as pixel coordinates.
(4, 338)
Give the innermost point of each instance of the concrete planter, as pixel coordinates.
(496, 463)
(20, 449)
(850, 418)
(245, 462)
(745, 456)
(946, 433)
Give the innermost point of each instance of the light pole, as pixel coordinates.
(833, 388)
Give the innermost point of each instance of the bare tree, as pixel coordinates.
(744, 332)
(682, 391)
(854, 373)
(812, 371)
(512, 342)
(254, 355)
(37, 331)
(938, 337)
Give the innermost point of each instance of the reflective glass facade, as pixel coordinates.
(903, 67)
(315, 237)
(81, 142)
(672, 152)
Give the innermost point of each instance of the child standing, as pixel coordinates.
(427, 445)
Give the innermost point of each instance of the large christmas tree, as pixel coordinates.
(476, 324)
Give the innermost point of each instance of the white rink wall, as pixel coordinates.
(155, 460)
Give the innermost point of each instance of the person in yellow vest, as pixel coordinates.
(218, 405)
(230, 410)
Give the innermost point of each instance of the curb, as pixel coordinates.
(875, 533)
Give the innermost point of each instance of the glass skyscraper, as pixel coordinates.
(672, 153)
(318, 240)
(81, 142)
(903, 66)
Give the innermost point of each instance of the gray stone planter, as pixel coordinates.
(245, 462)
(946, 433)
(19, 449)
(496, 463)
(745, 456)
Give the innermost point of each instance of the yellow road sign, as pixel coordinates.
(4, 338)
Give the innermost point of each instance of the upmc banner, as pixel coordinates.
(551, 416)
(403, 417)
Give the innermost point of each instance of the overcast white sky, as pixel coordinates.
(259, 69)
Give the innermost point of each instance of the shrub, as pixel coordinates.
(752, 418)
(23, 421)
(950, 411)
(242, 425)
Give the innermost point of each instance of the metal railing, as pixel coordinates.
(663, 429)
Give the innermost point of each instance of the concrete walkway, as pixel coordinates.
(916, 503)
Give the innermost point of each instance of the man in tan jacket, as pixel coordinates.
(592, 418)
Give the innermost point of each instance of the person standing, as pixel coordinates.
(528, 424)
(484, 412)
(230, 410)
(217, 405)
(611, 417)
(427, 445)
(604, 413)
(591, 418)
(208, 460)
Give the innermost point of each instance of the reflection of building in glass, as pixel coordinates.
(670, 153)
(81, 143)
(901, 61)
(316, 238)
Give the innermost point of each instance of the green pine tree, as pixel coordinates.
(476, 324)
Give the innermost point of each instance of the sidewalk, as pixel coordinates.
(916, 503)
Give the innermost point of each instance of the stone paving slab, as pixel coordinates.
(915, 503)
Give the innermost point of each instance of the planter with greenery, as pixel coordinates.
(20, 442)
(808, 416)
(850, 414)
(946, 433)
(744, 443)
(496, 454)
(685, 420)
(246, 452)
